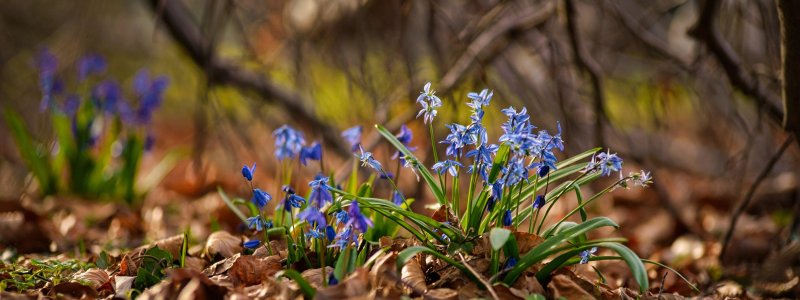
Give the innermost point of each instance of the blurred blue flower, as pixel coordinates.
(313, 216)
(332, 279)
(586, 254)
(288, 142)
(507, 219)
(497, 189)
(252, 244)
(397, 198)
(313, 152)
(247, 172)
(404, 136)
(539, 201)
(430, 102)
(260, 198)
(89, 65)
(315, 234)
(367, 159)
(344, 238)
(256, 222)
(510, 263)
(71, 105)
(642, 179)
(150, 94)
(47, 63)
(353, 137)
(447, 165)
(357, 219)
(294, 200)
(320, 191)
(490, 203)
(341, 217)
(606, 162)
(330, 234)
(107, 96)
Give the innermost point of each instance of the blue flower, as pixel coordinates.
(288, 142)
(150, 94)
(387, 176)
(507, 219)
(260, 198)
(606, 162)
(490, 203)
(483, 154)
(313, 152)
(448, 165)
(315, 234)
(429, 102)
(252, 244)
(332, 279)
(49, 84)
(313, 216)
(91, 64)
(353, 137)
(397, 198)
(293, 200)
(404, 136)
(107, 96)
(320, 191)
(510, 263)
(247, 172)
(367, 159)
(497, 189)
(341, 217)
(543, 171)
(357, 219)
(480, 99)
(586, 254)
(256, 222)
(268, 224)
(457, 139)
(330, 234)
(344, 238)
(642, 179)
(516, 171)
(539, 201)
(71, 105)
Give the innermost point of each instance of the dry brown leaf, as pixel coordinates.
(441, 294)
(93, 278)
(72, 289)
(528, 285)
(563, 286)
(355, 286)
(315, 277)
(221, 266)
(172, 245)
(526, 241)
(184, 284)
(249, 270)
(445, 214)
(413, 276)
(123, 284)
(224, 244)
(195, 263)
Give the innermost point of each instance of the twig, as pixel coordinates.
(591, 67)
(661, 288)
(750, 192)
(186, 33)
(480, 278)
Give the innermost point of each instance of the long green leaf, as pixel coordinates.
(230, 205)
(34, 156)
(544, 249)
(633, 261)
(423, 171)
(307, 290)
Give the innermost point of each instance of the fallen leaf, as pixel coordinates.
(413, 276)
(441, 294)
(563, 286)
(172, 245)
(224, 244)
(123, 284)
(93, 278)
(354, 286)
(249, 270)
(72, 289)
(221, 266)
(315, 277)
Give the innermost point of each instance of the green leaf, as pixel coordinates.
(625, 253)
(545, 249)
(230, 205)
(423, 171)
(306, 288)
(500, 160)
(36, 158)
(498, 237)
(346, 263)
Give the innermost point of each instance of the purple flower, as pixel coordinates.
(107, 96)
(367, 159)
(330, 233)
(320, 191)
(448, 165)
(353, 137)
(89, 65)
(247, 172)
(429, 102)
(344, 238)
(49, 84)
(539, 201)
(313, 216)
(397, 198)
(507, 220)
(313, 152)
(357, 219)
(252, 244)
(510, 263)
(288, 142)
(490, 203)
(586, 254)
(256, 222)
(404, 136)
(260, 198)
(150, 94)
(606, 162)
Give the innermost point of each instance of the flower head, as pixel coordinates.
(353, 136)
(490, 203)
(586, 254)
(247, 172)
(313, 152)
(260, 198)
(320, 191)
(251, 244)
(397, 198)
(344, 238)
(313, 216)
(451, 166)
(357, 219)
(507, 219)
(90, 64)
(605, 162)
(516, 171)
(539, 201)
(107, 96)
(341, 217)
(257, 223)
(404, 136)
(458, 138)
(429, 102)
(642, 178)
(49, 84)
(510, 263)
(288, 142)
(367, 159)
(150, 93)
(330, 233)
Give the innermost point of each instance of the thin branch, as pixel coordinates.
(186, 33)
(706, 32)
(480, 278)
(750, 192)
(586, 62)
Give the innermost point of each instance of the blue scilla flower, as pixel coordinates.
(497, 189)
(586, 254)
(387, 176)
(516, 171)
(483, 153)
(330, 233)
(507, 219)
(294, 200)
(447, 165)
(288, 142)
(457, 139)
(430, 102)
(150, 93)
(251, 244)
(367, 159)
(256, 222)
(404, 136)
(320, 191)
(260, 198)
(313, 152)
(247, 172)
(341, 217)
(642, 179)
(517, 123)
(490, 203)
(357, 219)
(397, 198)
(539, 201)
(510, 263)
(71, 105)
(47, 63)
(313, 216)
(606, 162)
(89, 65)
(480, 99)
(315, 234)
(344, 238)
(332, 279)
(107, 96)
(353, 136)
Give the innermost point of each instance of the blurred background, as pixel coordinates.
(689, 90)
